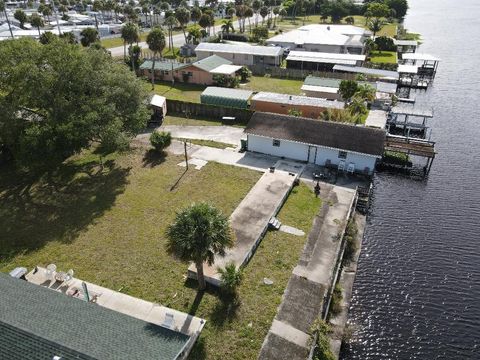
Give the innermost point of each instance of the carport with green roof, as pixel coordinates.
(226, 97)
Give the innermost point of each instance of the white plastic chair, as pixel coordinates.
(68, 277)
(168, 322)
(51, 270)
(351, 168)
(341, 166)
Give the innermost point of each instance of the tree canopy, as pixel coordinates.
(57, 99)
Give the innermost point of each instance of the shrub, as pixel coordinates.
(351, 246)
(322, 346)
(226, 81)
(259, 33)
(244, 73)
(160, 140)
(231, 277)
(336, 302)
(384, 43)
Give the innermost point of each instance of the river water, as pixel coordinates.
(417, 291)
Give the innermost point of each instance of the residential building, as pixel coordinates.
(342, 39)
(39, 322)
(319, 61)
(310, 107)
(331, 144)
(200, 72)
(242, 54)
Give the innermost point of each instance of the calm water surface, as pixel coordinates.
(417, 293)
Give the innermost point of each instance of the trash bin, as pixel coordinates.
(18, 273)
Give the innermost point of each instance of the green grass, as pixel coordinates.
(384, 57)
(179, 91)
(108, 225)
(265, 83)
(182, 121)
(118, 41)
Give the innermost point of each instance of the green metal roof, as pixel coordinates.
(220, 96)
(163, 65)
(211, 63)
(39, 323)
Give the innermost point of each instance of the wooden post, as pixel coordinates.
(186, 157)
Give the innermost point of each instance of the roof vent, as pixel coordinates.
(328, 28)
(290, 97)
(57, 357)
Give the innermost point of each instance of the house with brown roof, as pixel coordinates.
(201, 72)
(347, 147)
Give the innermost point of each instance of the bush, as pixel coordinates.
(259, 33)
(160, 140)
(235, 37)
(384, 43)
(322, 346)
(226, 81)
(244, 73)
(231, 277)
(351, 246)
(336, 302)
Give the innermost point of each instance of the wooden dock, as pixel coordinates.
(412, 146)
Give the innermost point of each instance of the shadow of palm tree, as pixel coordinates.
(57, 205)
(153, 158)
(225, 310)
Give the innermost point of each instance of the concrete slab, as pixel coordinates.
(291, 230)
(289, 332)
(250, 219)
(197, 163)
(303, 300)
(226, 134)
(126, 304)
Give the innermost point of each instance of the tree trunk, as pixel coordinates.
(184, 34)
(153, 72)
(131, 57)
(200, 277)
(124, 50)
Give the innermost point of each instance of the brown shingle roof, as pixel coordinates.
(317, 132)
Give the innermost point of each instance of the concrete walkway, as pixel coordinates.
(225, 134)
(250, 219)
(303, 299)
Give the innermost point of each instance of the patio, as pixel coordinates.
(150, 312)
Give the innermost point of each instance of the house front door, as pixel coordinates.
(312, 154)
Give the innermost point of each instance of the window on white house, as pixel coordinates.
(276, 143)
(342, 154)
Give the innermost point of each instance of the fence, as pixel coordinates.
(187, 109)
(262, 70)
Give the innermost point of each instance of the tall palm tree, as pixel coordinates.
(248, 15)
(156, 44)
(197, 234)
(4, 9)
(130, 35)
(375, 25)
(183, 17)
(36, 21)
(170, 23)
(196, 14)
(263, 13)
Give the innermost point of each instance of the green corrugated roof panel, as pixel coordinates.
(38, 323)
(227, 97)
(211, 63)
(163, 65)
(318, 81)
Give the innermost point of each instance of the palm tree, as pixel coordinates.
(170, 23)
(36, 21)
(256, 5)
(195, 14)
(365, 92)
(276, 11)
(283, 13)
(130, 35)
(375, 25)
(231, 277)
(183, 17)
(89, 36)
(227, 25)
(197, 234)
(204, 21)
(156, 44)
(248, 15)
(4, 9)
(263, 13)
(20, 16)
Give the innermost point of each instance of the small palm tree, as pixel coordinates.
(227, 25)
(375, 25)
(231, 277)
(197, 234)
(130, 35)
(156, 43)
(36, 21)
(365, 92)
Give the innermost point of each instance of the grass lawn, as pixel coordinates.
(118, 41)
(385, 57)
(179, 91)
(264, 83)
(108, 225)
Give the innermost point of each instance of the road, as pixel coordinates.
(178, 40)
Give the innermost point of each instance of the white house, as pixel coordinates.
(342, 39)
(344, 146)
(241, 54)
